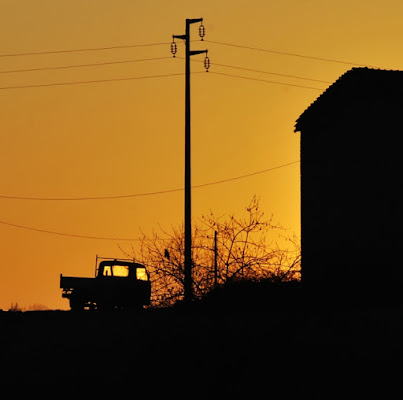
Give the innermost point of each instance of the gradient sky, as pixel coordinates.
(127, 137)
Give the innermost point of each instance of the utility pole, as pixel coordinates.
(188, 282)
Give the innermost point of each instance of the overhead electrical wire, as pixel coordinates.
(246, 175)
(117, 62)
(115, 197)
(82, 65)
(149, 77)
(138, 78)
(41, 85)
(152, 76)
(73, 235)
(89, 49)
(78, 236)
(270, 73)
(332, 60)
(260, 71)
(28, 86)
(65, 234)
(266, 81)
(36, 53)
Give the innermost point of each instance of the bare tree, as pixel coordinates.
(37, 307)
(248, 247)
(15, 307)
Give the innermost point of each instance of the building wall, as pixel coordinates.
(351, 201)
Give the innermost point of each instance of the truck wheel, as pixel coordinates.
(105, 307)
(76, 303)
(135, 308)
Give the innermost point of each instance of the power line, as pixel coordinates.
(29, 228)
(264, 80)
(271, 73)
(264, 72)
(148, 193)
(291, 54)
(164, 75)
(93, 81)
(35, 53)
(114, 197)
(59, 67)
(83, 65)
(147, 77)
(76, 236)
(247, 175)
(152, 76)
(65, 234)
(167, 43)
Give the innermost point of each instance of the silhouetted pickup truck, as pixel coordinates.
(118, 284)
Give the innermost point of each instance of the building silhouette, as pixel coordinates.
(351, 182)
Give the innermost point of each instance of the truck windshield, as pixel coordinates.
(141, 274)
(120, 270)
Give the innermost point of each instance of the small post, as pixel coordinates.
(215, 259)
(96, 265)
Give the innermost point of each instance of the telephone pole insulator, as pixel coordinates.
(202, 31)
(206, 62)
(188, 281)
(174, 47)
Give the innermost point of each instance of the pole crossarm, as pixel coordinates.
(194, 20)
(194, 52)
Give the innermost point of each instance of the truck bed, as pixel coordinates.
(72, 282)
(110, 283)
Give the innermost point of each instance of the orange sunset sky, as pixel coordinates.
(125, 137)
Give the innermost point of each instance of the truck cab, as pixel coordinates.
(118, 284)
(122, 269)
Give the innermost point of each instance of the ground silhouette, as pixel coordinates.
(273, 348)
